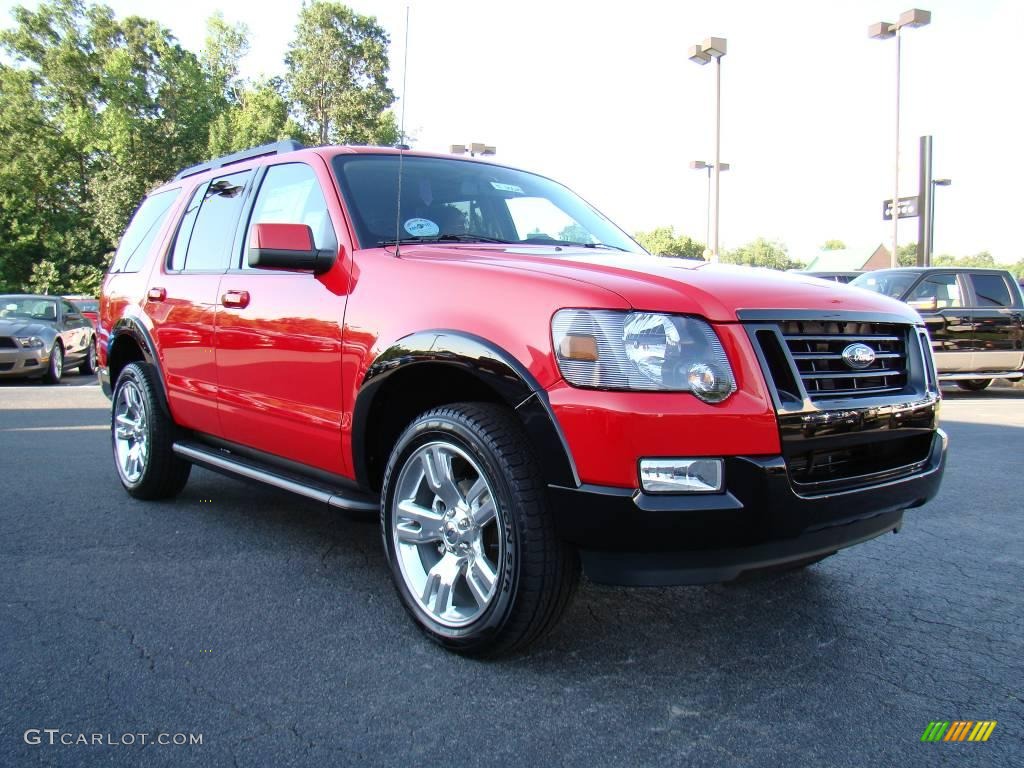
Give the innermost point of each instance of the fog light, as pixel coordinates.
(681, 475)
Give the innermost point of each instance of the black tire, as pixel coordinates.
(974, 385)
(88, 366)
(538, 574)
(56, 367)
(163, 474)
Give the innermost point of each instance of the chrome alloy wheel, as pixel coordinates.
(57, 361)
(131, 432)
(447, 533)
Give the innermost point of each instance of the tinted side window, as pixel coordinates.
(291, 194)
(69, 309)
(138, 237)
(936, 292)
(188, 222)
(992, 291)
(208, 225)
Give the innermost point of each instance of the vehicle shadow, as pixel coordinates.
(70, 379)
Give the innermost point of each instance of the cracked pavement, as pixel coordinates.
(268, 624)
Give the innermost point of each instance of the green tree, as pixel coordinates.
(259, 116)
(95, 111)
(833, 245)
(906, 255)
(663, 241)
(45, 278)
(337, 75)
(226, 45)
(762, 253)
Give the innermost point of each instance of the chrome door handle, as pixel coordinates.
(239, 299)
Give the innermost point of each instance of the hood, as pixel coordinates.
(662, 284)
(19, 327)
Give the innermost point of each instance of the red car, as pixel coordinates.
(478, 356)
(89, 307)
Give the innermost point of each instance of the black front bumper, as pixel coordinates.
(633, 538)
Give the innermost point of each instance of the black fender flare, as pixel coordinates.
(489, 364)
(135, 329)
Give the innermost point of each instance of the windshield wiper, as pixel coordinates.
(446, 238)
(599, 245)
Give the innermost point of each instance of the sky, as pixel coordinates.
(603, 98)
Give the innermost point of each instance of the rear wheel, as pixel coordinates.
(88, 366)
(142, 435)
(974, 385)
(471, 545)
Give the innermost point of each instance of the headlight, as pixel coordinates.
(605, 349)
(31, 342)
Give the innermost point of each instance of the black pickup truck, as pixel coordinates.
(975, 318)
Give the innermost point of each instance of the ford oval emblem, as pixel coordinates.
(858, 356)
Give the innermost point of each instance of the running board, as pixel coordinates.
(981, 375)
(223, 461)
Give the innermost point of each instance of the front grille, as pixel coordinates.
(6, 366)
(6, 342)
(817, 347)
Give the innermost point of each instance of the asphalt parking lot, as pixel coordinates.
(268, 625)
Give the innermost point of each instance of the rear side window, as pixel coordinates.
(142, 231)
(991, 291)
(203, 242)
(291, 194)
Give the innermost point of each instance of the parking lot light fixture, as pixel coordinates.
(883, 30)
(697, 55)
(700, 165)
(714, 48)
(474, 149)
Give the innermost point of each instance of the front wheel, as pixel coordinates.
(471, 545)
(143, 435)
(56, 368)
(974, 385)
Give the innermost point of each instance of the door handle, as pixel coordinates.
(156, 294)
(238, 299)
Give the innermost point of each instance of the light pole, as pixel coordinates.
(931, 219)
(883, 30)
(700, 165)
(702, 53)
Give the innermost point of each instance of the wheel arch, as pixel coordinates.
(432, 368)
(131, 342)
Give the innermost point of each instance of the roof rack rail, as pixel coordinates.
(278, 148)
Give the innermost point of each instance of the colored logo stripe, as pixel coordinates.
(982, 730)
(958, 730)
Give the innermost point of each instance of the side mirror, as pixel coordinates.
(932, 303)
(287, 246)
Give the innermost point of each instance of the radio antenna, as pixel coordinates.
(402, 146)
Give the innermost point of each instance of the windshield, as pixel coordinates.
(885, 282)
(28, 307)
(463, 201)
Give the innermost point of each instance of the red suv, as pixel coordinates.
(512, 382)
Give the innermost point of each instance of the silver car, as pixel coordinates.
(41, 336)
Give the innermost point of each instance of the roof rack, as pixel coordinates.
(278, 148)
